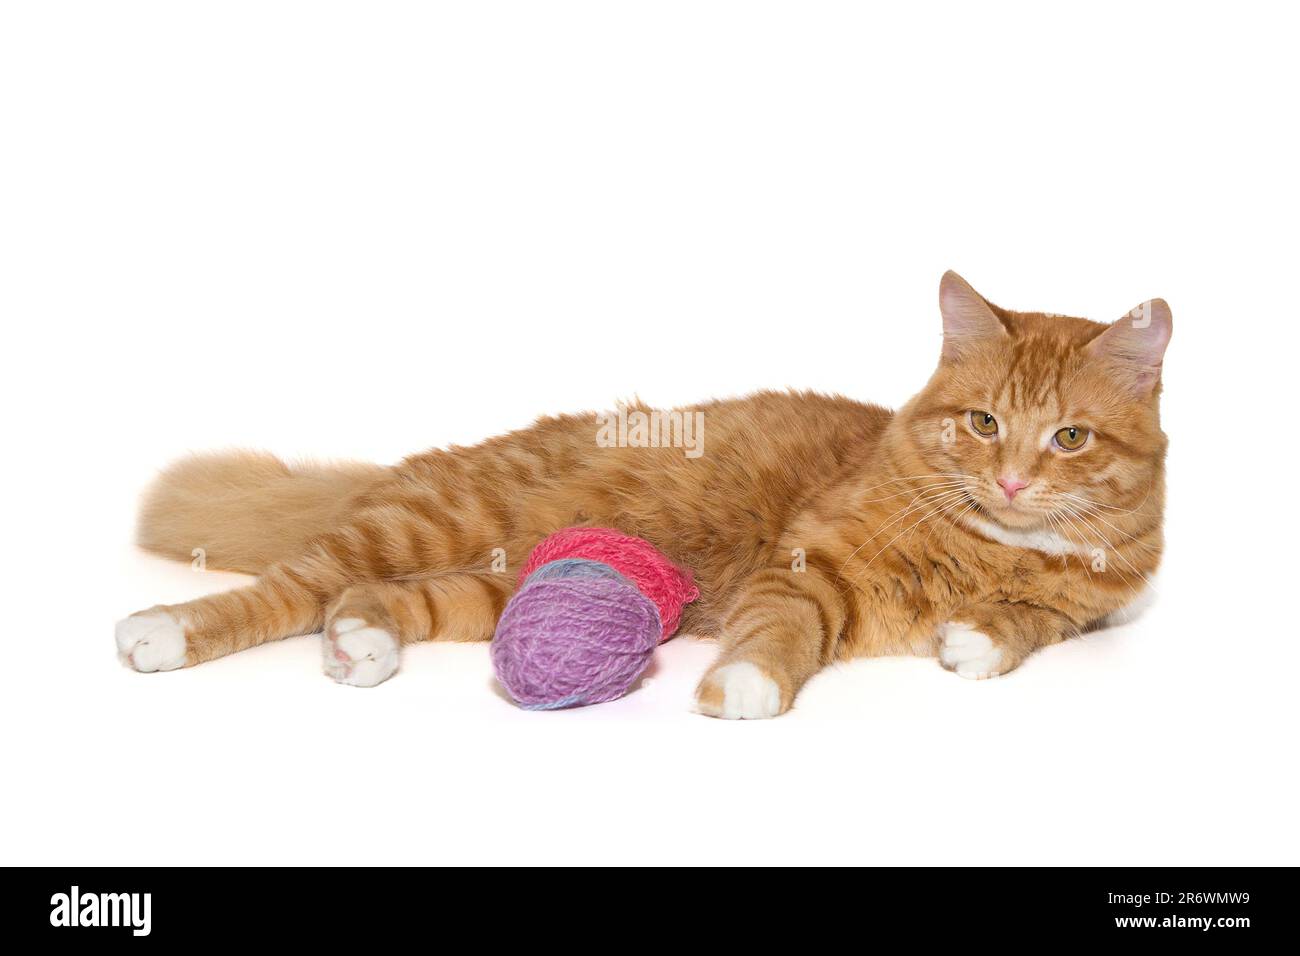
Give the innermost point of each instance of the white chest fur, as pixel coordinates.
(1044, 540)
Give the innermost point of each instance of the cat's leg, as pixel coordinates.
(782, 629)
(405, 537)
(283, 602)
(987, 640)
(368, 623)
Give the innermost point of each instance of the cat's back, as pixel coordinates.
(804, 424)
(761, 459)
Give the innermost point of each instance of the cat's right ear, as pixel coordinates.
(967, 318)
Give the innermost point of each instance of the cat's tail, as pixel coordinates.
(244, 511)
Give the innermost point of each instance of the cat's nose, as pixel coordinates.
(1011, 486)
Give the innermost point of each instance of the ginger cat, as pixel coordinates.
(1013, 503)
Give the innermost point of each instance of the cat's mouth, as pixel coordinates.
(1018, 515)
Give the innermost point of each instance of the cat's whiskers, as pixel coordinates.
(948, 504)
(1058, 525)
(919, 499)
(954, 521)
(919, 502)
(1138, 542)
(894, 481)
(1118, 512)
(948, 513)
(925, 496)
(1110, 548)
(898, 494)
(1091, 545)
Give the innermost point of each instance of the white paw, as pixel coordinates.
(739, 691)
(969, 652)
(358, 654)
(152, 641)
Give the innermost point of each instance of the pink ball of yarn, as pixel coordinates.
(668, 586)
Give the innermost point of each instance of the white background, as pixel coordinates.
(361, 230)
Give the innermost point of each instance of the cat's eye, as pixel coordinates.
(984, 423)
(1071, 438)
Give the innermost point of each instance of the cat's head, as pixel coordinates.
(1041, 414)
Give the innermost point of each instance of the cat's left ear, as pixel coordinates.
(1134, 347)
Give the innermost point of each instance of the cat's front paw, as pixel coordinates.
(739, 691)
(151, 641)
(971, 653)
(358, 653)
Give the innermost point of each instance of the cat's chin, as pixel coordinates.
(1012, 518)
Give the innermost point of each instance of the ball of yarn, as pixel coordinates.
(568, 569)
(667, 585)
(567, 641)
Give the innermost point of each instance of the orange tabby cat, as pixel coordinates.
(1013, 503)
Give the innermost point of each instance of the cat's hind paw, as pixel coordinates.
(358, 653)
(151, 641)
(971, 653)
(738, 691)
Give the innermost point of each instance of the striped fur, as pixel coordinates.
(818, 527)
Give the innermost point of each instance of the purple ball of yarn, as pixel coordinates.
(565, 642)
